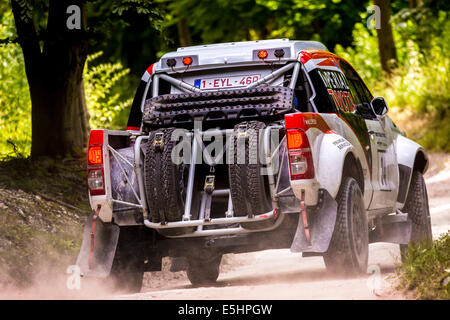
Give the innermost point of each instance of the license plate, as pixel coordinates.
(226, 82)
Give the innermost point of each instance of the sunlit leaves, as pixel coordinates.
(103, 100)
(418, 92)
(15, 104)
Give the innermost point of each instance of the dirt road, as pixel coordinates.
(280, 274)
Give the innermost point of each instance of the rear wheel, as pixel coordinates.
(125, 277)
(166, 182)
(127, 270)
(348, 252)
(249, 188)
(416, 206)
(203, 272)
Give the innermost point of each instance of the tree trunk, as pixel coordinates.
(414, 3)
(59, 121)
(386, 45)
(183, 33)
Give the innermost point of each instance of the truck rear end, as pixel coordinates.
(219, 158)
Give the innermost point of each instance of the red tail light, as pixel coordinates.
(187, 61)
(95, 178)
(300, 158)
(297, 139)
(95, 155)
(263, 54)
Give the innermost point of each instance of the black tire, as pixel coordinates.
(166, 183)
(348, 252)
(201, 272)
(250, 193)
(416, 206)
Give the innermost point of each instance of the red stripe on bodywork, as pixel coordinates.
(331, 58)
(304, 57)
(328, 63)
(134, 128)
(150, 69)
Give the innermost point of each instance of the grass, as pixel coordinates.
(426, 270)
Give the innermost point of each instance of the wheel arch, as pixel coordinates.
(410, 157)
(352, 168)
(335, 162)
(421, 161)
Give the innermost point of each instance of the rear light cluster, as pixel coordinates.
(187, 61)
(300, 157)
(274, 53)
(262, 54)
(95, 178)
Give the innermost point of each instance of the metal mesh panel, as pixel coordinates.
(173, 109)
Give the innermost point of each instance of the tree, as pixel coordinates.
(386, 45)
(237, 20)
(55, 51)
(54, 72)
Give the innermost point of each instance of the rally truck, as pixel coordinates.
(247, 146)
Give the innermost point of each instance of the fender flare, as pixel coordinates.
(410, 156)
(330, 170)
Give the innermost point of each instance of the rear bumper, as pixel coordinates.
(310, 187)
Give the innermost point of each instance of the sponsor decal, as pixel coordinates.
(341, 143)
(342, 100)
(338, 90)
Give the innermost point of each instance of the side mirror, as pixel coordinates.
(379, 106)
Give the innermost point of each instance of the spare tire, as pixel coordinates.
(249, 188)
(166, 183)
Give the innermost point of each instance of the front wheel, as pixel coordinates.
(416, 206)
(348, 252)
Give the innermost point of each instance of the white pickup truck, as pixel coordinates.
(248, 146)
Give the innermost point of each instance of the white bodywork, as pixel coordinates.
(330, 143)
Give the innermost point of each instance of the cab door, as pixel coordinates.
(384, 173)
(384, 165)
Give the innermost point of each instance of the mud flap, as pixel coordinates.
(321, 225)
(393, 231)
(106, 237)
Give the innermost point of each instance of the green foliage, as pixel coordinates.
(418, 92)
(145, 7)
(127, 31)
(104, 99)
(15, 105)
(427, 270)
(364, 55)
(239, 20)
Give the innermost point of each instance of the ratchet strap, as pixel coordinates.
(94, 223)
(209, 189)
(305, 219)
